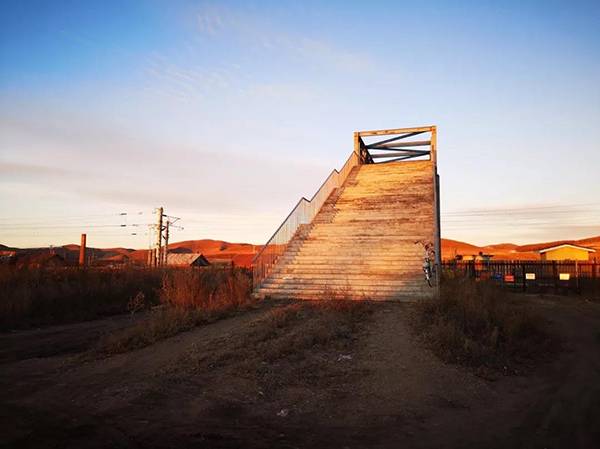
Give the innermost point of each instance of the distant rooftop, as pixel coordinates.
(563, 245)
(187, 259)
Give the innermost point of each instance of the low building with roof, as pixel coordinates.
(187, 260)
(566, 251)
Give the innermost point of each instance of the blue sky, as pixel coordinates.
(225, 113)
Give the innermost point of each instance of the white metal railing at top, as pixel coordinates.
(303, 213)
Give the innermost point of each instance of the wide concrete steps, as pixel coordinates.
(372, 289)
(321, 293)
(357, 296)
(345, 261)
(379, 284)
(389, 278)
(334, 270)
(375, 227)
(366, 239)
(397, 269)
(364, 242)
(358, 249)
(353, 253)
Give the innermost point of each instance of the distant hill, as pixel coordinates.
(591, 242)
(242, 253)
(501, 247)
(510, 251)
(450, 248)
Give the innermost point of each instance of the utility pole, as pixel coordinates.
(166, 252)
(169, 223)
(159, 228)
(157, 256)
(82, 258)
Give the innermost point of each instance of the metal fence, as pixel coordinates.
(559, 277)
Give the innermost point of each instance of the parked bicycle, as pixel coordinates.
(427, 261)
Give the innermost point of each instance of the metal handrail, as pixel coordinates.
(303, 213)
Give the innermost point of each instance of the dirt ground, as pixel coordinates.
(282, 375)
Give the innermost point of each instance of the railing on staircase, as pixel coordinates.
(303, 213)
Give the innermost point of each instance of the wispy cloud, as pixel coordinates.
(209, 20)
(189, 82)
(540, 213)
(521, 224)
(109, 164)
(24, 170)
(266, 35)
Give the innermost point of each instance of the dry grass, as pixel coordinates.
(34, 297)
(206, 289)
(297, 344)
(479, 325)
(303, 326)
(189, 298)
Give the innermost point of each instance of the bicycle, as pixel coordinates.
(427, 265)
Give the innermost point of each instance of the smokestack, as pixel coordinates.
(82, 259)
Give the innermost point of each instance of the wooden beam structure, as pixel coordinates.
(409, 154)
(395, 148)
(384, 132)
(415, 143)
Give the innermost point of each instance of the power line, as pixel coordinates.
(74, 226)
(58, 217)
(44, 219)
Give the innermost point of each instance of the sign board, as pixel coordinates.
(497, 276)
(530, 276)
(509, 278)
(564, 276)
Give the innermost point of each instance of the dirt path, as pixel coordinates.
(314, 381)
(410, 399)
(58, 340)
(562, 407)
(68, 400)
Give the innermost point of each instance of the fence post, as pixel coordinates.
(577, 278)
(554, 275)
(594, 288)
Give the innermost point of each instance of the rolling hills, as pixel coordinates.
(241, 254)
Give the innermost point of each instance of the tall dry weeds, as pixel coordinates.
(206, 289)
(190, 297)
(478, 324)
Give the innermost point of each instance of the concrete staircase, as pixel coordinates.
(367, 240)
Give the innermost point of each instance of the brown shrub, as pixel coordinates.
(190, 297)
(206, 289)
(478, 324)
